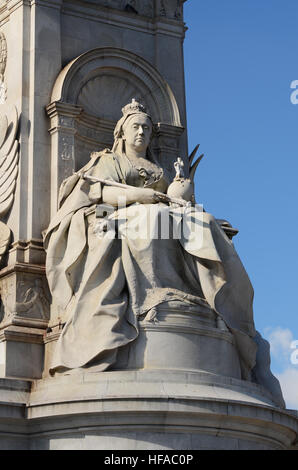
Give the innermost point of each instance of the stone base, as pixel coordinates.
(142, 410)
(24, 316)
(21, 352)
(179, 337)
(182, 339)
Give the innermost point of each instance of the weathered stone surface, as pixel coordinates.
(155, 410)
(24, 316)
(167, 8)
(81, 61)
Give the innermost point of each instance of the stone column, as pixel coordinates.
(32, 32)
(62, 130)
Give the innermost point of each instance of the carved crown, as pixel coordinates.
(133, 107)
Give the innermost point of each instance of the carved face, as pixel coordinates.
(137, 133)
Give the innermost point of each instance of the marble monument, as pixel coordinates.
(126, 313)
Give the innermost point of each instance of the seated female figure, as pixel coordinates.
(105, 282)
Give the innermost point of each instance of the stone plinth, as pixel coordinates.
(163, 398)
(182, 339)
(179, 337)
(148, 409)
(24, 313)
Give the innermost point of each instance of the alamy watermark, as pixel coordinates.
(151, 222)
(294, 94)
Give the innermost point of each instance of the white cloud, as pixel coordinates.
(288, 380)
(280, 340)
(283, 353)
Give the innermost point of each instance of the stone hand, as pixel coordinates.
(147, 196)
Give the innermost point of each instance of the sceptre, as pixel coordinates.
(159, 196)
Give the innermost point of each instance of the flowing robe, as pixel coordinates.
(104, 283)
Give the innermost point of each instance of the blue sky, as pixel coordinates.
(241, 57)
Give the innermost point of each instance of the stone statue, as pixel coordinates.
(106, 284)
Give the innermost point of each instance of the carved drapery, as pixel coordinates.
(3, 60)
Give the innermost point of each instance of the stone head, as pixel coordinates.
(133, 130)
(137, 131)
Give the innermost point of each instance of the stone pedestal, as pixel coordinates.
(139, 410)
(70, 68)
(178, 386)
(25, 312)
(182, 338)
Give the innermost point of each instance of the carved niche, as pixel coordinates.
(86, 101)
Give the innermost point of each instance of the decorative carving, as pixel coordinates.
(171, 8)
(66, 151)
(9, 157)
(24, 298)
(7, 298)
(66, 121)
(132, 72)
(183, 187)
(106, 94)
(3, 59)
(178, 11)
(34, 303)
(162, 10)
(179, 165)
(131, 6)
(141, 7)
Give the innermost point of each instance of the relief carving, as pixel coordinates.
(7, 299)
(33, 301)
(162, 10)
(171, 8)
(26, 298)
(66, 150)
(140, 7)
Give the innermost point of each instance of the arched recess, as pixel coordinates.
(86, 102)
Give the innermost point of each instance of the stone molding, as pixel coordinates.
(26, 251)
(114, 410)
(19, 334)
(161, 24)
(89, 65)
(158, 24)
(171, 9)
(23, 267)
